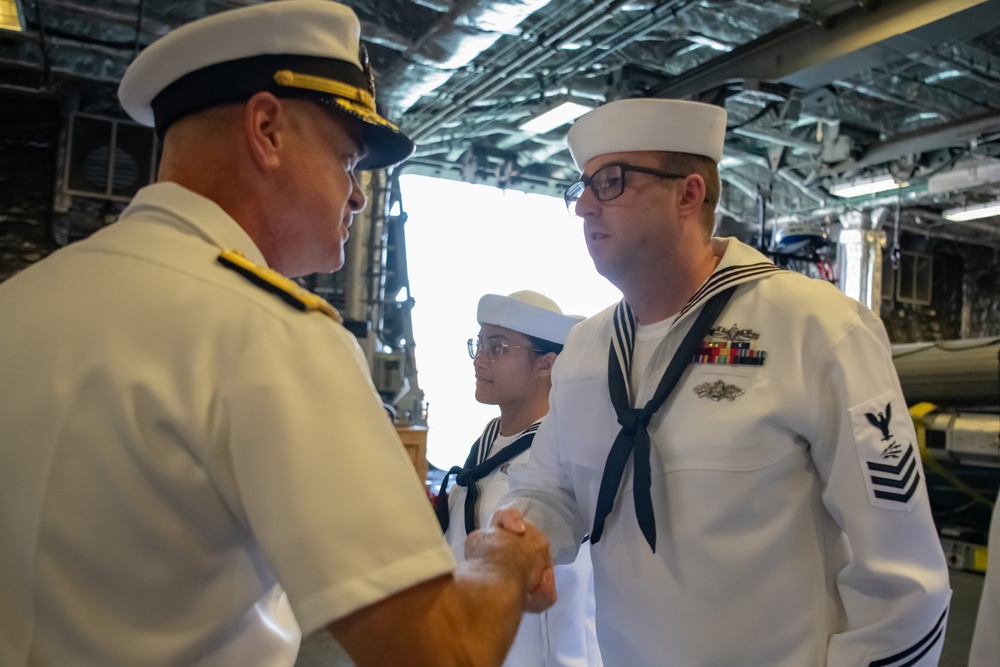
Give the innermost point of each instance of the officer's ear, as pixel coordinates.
(264, 124)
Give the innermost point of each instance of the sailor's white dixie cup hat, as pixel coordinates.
(527, 312)
(648, 124)
(291, 48)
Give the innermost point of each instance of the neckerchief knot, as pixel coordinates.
(632, 420)
(633, 439)
(478, 465)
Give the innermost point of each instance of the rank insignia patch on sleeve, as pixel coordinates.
(887, 453)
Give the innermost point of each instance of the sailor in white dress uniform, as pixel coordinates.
(513, 354)
(732, 436)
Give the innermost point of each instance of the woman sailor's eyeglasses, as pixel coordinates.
(492, 347)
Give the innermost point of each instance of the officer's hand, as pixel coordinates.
(522, 550)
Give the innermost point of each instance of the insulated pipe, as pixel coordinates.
(957, 372)
(506, 52)
(468, 29)
(599, 12)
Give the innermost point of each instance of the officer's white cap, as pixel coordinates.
(292, 48)
(649, 124)
(527, 312)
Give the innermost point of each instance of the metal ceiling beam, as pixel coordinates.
(810, 191)
(949, 135)
(820, 11)
(880, 94)
(807, 55)
(774, 137)
(633, 31)
(941, 62)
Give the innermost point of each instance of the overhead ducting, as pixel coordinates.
(465, 31)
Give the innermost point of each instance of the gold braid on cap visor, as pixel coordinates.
(354, 99)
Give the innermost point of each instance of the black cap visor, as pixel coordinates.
(238, 80)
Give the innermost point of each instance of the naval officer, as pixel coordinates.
(732, 436)
(194, 465)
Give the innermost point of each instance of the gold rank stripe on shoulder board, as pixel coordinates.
(270, 280)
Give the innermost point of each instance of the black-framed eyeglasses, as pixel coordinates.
(608, 183)
(492, 347)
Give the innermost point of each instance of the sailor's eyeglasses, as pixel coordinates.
(492, 347)
(608, 183)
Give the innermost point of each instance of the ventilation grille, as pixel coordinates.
(108, 158)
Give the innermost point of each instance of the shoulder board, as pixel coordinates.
(270, 280)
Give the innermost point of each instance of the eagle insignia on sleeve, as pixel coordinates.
(881, 421)
(888, 456)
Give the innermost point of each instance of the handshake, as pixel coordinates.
(513, 549)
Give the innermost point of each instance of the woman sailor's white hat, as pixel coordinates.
(527, 312)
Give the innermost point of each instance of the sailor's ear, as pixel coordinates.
(545, 362)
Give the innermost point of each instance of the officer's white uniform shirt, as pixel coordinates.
(985, 651)
(562, 636)
(178, 441)
(776, 542)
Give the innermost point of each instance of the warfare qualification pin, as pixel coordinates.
(718, 390)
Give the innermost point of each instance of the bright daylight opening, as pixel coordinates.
(463, 241)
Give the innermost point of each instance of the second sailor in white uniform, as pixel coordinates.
(513, 354)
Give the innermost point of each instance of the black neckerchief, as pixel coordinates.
(634, 421)
(478, 465)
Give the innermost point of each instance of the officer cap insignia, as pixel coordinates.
(366, 69)
(271, 281)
